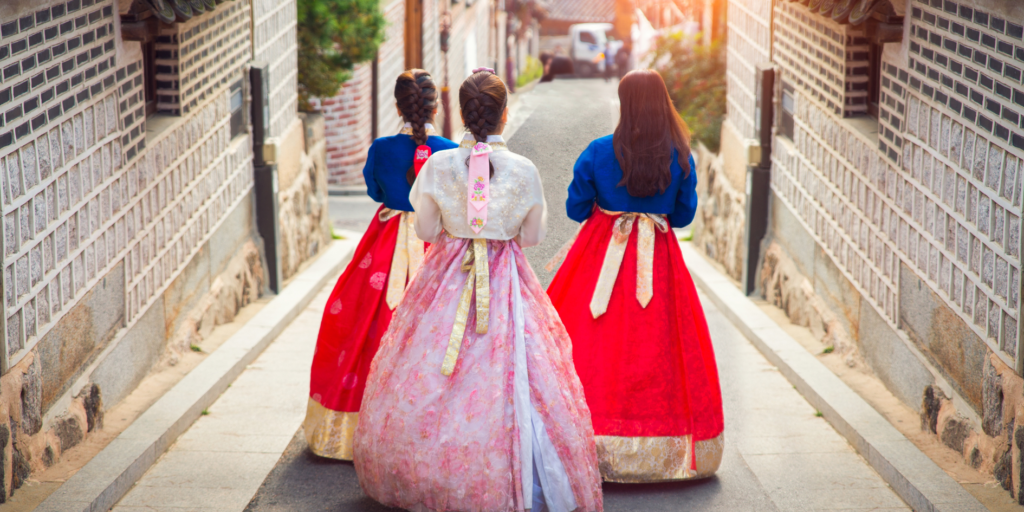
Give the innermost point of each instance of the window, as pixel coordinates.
(587, 37)
(874, 77)
(788, 110)
(149, 75)
(237, 112)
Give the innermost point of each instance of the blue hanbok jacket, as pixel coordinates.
(388, 161)
(596, 177)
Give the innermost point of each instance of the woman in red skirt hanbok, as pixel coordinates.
(360, 307)
(640, 341)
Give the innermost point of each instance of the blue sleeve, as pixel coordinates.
(686, 200)
(582, 190)
(372, 187)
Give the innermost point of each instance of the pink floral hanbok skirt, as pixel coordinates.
(511, 415)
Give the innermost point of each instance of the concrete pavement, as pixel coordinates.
(779, 454)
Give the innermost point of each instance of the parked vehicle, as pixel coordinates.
(589, 43)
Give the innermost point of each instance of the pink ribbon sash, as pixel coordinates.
(478, 187)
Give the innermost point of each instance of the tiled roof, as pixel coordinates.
(582, 11)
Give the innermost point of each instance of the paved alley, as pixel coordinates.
(779, 455)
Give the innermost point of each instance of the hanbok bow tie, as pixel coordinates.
(478, 187)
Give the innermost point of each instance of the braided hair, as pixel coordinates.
(482, 100)
(416, 97)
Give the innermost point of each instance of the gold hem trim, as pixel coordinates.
(329, 433)
(633, 460)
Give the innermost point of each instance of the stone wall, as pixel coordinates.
(749, 44)
(905, 227)
(302, 200)
(719, 223)
(128, 236)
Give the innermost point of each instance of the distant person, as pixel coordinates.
(609, 61)
(554, 65)
(360, 307)
(641, 344)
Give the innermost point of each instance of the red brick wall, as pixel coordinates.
(347, 128)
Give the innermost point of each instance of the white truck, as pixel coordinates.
(589, 42)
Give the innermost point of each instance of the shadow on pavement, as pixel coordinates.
(303, 481)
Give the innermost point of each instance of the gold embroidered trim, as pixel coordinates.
(329, 433)
(657, 459)
(621, 230)
(474, 262)
(496, 146)
(408, 256)
(408, 131)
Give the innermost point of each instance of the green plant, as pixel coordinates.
(195, 348)
(334, 36)
(534, 70)
(818, 414)
(206, 412)
(828, 350)
(695, 76)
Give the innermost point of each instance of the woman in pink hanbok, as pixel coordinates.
(472, 402)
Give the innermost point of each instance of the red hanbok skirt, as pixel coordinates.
(649, 374)
(356, 317)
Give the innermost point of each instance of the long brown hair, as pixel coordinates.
(649, 129)
(416, 97)
(482, 100)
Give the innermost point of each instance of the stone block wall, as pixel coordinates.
(125, 234)
(718, 225)
(906, 226)
(749, 36)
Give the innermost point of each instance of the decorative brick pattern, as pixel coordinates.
(836, 183)
(827, 60)
(749, 36)
(937, 189)
(59, 155)
(275, 42)
(963, 151)
(83, 187)
(197, 58)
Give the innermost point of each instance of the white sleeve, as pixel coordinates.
(535, 223)
(424, 202)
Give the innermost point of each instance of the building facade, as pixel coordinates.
(896, 195)
(476, 40)
(126, 184)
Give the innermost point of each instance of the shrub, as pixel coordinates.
(334, 36)
(534, 70)
(695, 76)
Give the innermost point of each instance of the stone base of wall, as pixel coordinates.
(719, 223)
(800, 278)
(53, 399)
(785, 287)
(236, 287)
(304, 219)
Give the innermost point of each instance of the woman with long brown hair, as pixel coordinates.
(389, 254)
(452, 419)
(640, 342)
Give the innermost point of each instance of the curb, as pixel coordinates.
(915, 478)
(105, 479)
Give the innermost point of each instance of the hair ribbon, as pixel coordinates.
(478, 187)
(420, 158)
(477, 70)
